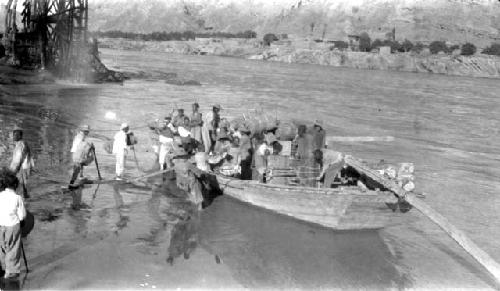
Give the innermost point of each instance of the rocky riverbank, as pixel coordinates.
(455, 65)
(472, 66)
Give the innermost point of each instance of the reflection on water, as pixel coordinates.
(49, 119)
(119, 206)
(265, 250)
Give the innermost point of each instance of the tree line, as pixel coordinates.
(174, 35)
(435, 47)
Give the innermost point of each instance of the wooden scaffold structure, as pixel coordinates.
(53, 35)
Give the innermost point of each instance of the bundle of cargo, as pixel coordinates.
(258, 122)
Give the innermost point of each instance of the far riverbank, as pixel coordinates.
(479, 65)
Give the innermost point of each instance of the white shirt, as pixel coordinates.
(12, 209)
(120, 142)
(261, 150)
(183, 132)
(209, 117)
(78, 139)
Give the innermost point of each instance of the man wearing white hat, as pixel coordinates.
(120, 149)
(22, 161)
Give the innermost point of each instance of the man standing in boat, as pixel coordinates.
(319, 135)
(211, 123)
(246, 153)
(166, 140)
(196, 123)
(304, 141)
(179, 119)
(22, 161)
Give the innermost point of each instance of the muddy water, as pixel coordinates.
(128, 237)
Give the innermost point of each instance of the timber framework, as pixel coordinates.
(53, 35)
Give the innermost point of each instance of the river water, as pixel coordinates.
(446, 126)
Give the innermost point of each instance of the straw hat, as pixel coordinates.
(244, 129)
(124, 125)
(17, 128)
(223, 135)
(85, 127)
(319, 123)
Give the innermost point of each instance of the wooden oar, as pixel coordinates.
(126, 181)
(467, 244)
(97, 164)
(24, 257)
(358, 139)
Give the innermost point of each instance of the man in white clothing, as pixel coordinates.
(12, 212)
(120, 150)
(166, 139)
(22, 161)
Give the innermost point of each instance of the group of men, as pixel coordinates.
(240, 150)
(235, 149)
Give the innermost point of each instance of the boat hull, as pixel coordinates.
(347, 208)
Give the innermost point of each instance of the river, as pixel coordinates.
(447, 126)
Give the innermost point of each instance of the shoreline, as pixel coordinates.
(478, 65)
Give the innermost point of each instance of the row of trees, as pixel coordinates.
(366, 45)
(435, 47)
(493, 49)
(165, 36)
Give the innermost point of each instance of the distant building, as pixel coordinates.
(384, 50)
(425, 51)
(353, 41)
(208, 39)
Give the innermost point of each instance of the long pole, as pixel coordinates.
(24, 257)
(459, 236)
(97, 164)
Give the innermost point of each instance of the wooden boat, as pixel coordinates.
(345, 207)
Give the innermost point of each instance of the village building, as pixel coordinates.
(353, 40)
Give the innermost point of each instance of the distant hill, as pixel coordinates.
(426, 20)
(477, 21)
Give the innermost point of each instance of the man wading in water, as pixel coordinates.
(22, 162)
(123, 139)
(83, 152)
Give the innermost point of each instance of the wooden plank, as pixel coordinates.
(330, 139)
(460, 237)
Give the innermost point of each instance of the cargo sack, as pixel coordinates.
(256, 122)
(84, 153)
